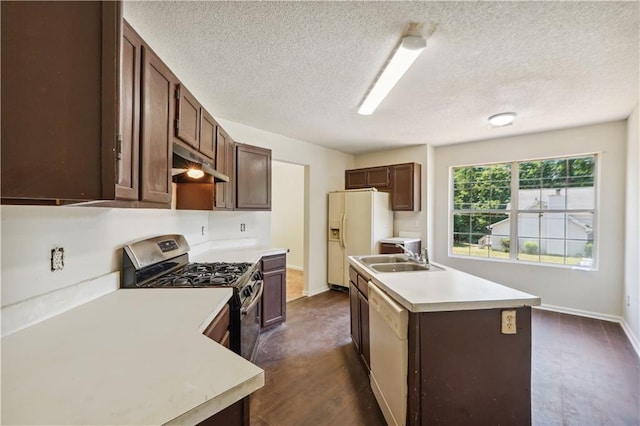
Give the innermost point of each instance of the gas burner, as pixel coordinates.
(203, 275)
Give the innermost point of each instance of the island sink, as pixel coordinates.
(403, 267)
(391, 258)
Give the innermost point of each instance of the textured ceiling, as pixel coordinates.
(301, 69)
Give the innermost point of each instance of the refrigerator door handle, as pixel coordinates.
(343, 220)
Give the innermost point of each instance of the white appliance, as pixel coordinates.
(388, 330)
(358, 220)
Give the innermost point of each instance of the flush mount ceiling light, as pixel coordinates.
(502, 119)
(406, 53)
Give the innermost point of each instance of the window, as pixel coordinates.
(541, 211)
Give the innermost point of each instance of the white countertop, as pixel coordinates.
(251, 254)
(134, 356)
(445, 290)
(399, 240)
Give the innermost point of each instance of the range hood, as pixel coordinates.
(185, 159)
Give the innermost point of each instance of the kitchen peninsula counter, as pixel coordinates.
(129, 357)
(444, 289)
(468, 345)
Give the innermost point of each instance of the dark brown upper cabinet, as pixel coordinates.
(187, 123)
(208, 129)
(90, 127)
(405, 187)
(128, 149)
(159, 85)
(372, 177)
(59, 101)
(252, 178)
(402, 181)
(193, 124)
(225, 163)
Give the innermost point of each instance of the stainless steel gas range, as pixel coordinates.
(163, 262)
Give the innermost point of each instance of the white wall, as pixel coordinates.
(287, 210)
(596, 292)
(403, 221)
(92, 238)
(325, 172)
(631, 313)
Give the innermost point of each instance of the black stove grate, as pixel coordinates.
(203, 275)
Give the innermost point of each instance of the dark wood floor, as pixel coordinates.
(584, 371)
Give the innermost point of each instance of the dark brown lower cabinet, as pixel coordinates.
(359, 301)
(234, 415)
(355, 315)
(273, 306)
(463, 371)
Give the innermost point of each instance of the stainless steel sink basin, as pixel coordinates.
(388, 258)
(403, 267)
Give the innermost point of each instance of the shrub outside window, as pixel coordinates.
(541, 211)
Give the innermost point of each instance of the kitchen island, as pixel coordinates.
(462, 365)
(129, 357)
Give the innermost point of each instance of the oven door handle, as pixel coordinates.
(245, 311)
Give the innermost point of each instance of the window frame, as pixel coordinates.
(514, 212)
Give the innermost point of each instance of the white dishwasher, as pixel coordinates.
(388, 329)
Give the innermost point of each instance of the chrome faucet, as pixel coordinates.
(424, 258)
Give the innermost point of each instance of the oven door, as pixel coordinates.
(250, 322)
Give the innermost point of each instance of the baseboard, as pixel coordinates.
(596, 315)
(580, 312)
(632, 338)
(313, 293)
(295, 268)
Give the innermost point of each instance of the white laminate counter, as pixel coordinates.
(134, 356)
(445, 290)
(251, 254)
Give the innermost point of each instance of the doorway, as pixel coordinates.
(288, 221)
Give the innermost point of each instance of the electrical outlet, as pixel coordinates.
(243, 227)
(57, 259)
(202, 230)
(628, 300)
(509, 321)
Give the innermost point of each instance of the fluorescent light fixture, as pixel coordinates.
(406, 53)
(502, 119)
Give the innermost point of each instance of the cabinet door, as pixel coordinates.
(355, 179)
(355, 315)
(378, 177)
(208, 129)
(156, 138)
(253, 178)
(405, 181)
(274, 298)
(60, 63)
(364, 330)
(224, 164)
(129, 137)
(187, 123)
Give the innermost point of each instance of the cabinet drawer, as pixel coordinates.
(219, 327)
(353, 276)
(363, 286)
(271, 263)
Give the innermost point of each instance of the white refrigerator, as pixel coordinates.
(358, 220)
